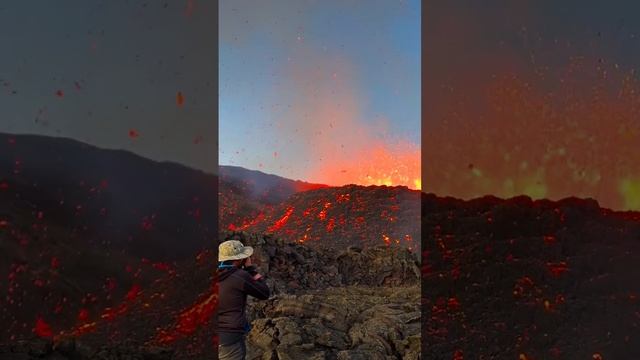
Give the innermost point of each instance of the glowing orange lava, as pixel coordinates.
(191, 319)
(379, 164)
(327, 122)
(282, 221)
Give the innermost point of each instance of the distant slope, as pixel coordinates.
(82, 227)
(245, 195)
(54, 271)
(237, 204)
(111, 195)
(265, 188)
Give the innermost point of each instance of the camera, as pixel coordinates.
(251, 269)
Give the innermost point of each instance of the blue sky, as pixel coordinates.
(267, 49)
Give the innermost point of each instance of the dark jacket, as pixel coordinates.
(234, 286)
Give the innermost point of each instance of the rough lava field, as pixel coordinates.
(95, 265)
(95, 262)
(523, 279)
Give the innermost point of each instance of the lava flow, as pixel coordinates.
(339, 216)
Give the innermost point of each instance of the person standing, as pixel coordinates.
(237, 278)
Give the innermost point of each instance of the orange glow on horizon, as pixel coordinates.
(382, 164)
(326, 124)
(522, 139)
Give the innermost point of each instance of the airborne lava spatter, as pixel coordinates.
(377, 163)
(325, 131)
(542, 136)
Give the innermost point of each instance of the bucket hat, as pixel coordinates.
(233, 250)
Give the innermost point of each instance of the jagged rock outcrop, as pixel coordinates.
(295, 267)
(330, 304)
(338, 323)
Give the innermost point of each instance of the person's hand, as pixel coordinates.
(257, 277)
(251, 269)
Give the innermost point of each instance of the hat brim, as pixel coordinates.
(246, 252)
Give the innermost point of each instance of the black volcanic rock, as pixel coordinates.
(236, 205)
(339, 217)
(135, 204)
(313, 298)
(292, 267)
(512, 278)
(338, 323)
(334, 303)
(527, 279)
(70, 350)
(112, 256)
(82, 227)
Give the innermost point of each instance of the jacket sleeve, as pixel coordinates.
(256, 288)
